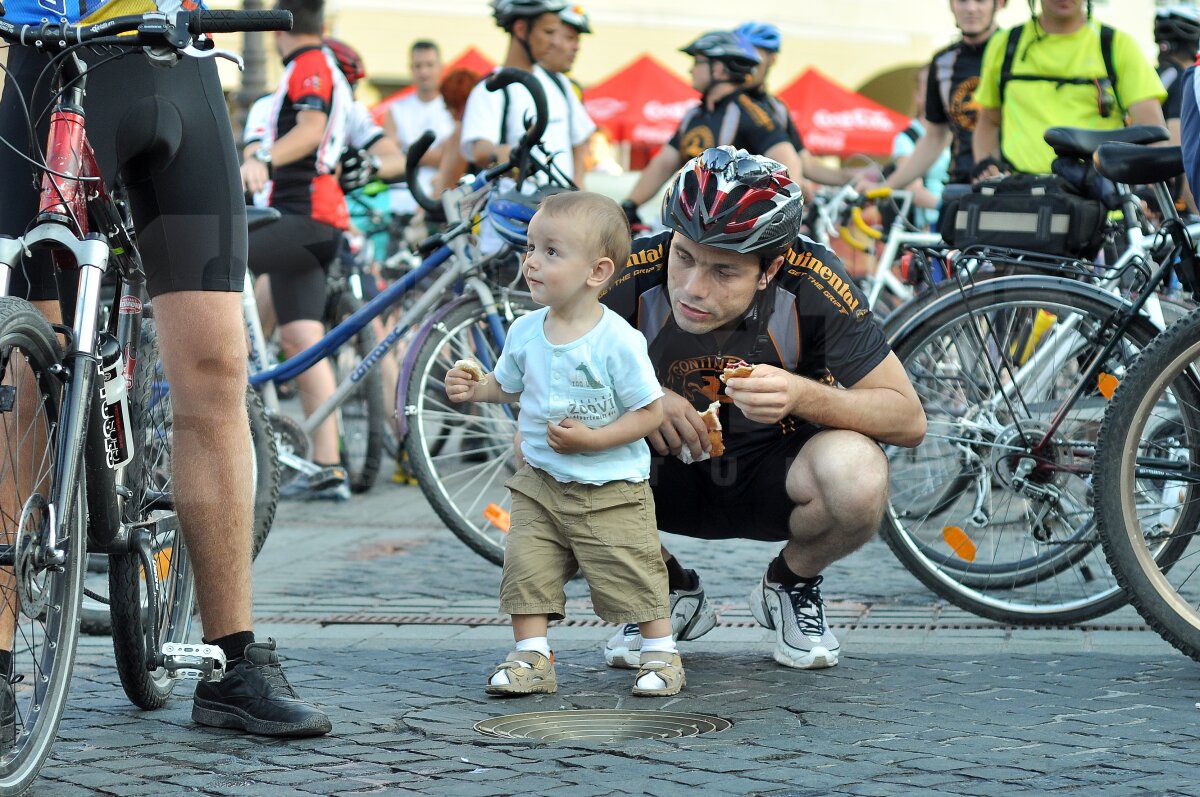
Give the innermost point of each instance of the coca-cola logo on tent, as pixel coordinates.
(852, 119)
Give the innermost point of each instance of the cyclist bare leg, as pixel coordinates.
(315, 385)
(839, 483)
(204, 357)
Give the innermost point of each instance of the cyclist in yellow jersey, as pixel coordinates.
(1058, 77)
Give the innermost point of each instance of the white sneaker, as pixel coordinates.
(692, 617)
(797, 615)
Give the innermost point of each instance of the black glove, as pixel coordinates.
(631, 213)
(359, 167)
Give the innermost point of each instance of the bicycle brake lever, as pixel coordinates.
(229, 55)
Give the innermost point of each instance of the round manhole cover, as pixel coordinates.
(601, 725)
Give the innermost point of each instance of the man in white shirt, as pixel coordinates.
(494, 121)
(408, 119)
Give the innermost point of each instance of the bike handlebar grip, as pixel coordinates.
(238, 21)
(866, 229)
(882, 192)
(509, 75)
(412, 163)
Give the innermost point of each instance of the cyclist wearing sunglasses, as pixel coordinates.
(727, 114)
(1060, 72)
(166, 134)
(733, 280)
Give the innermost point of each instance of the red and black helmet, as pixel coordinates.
(733, 200)
(348, 59)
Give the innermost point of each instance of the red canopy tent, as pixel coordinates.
(642, 103)
(469, 59)
(835, 121)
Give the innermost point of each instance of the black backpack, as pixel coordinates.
(1103, 85)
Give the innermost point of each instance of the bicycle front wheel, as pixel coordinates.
(1148, 485)
(462, 454)
(984, 512)
(40, 624)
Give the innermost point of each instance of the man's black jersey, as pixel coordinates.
(812, 320)
(737, 119)
(1170, 75)
(783, 115)
(950, 100)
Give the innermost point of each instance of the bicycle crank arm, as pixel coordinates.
(193, 662)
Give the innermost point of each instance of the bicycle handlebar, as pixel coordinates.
(516, 160)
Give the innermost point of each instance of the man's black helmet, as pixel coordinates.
(507, 12)
(735, 51)
(1178, 26)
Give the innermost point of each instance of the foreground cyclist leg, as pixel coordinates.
(178, 160)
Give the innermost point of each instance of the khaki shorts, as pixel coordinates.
(608, 530)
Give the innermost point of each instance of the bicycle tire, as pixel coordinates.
(940, 487)
(362, 417)
(44, 644)
(461, 454)
(1134, 510)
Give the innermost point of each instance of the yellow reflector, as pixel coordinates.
(1107, 384)
(498, 517)
(959, 542)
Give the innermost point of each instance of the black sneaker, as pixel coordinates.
(255, 696)
(8, 716)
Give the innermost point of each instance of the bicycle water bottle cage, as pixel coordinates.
(193, 662)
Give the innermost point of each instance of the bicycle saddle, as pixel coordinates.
(260, 217)
(1128, 163)
(1079, 142)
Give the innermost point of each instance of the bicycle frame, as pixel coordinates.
(458, 248)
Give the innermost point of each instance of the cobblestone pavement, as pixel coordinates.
(389, 622)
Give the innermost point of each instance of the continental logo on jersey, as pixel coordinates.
(644, 257)
(696, 141)
(756, 112)
(963, 108)
(696, 378)
(825, 279)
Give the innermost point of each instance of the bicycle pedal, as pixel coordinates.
(193, 662)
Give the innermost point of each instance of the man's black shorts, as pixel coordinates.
(167, 133)
(742, 497)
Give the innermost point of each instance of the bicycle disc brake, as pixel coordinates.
(35, 519)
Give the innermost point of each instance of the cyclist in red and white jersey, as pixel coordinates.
(299, 154)
(179, 163)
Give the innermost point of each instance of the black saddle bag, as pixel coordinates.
(1039, 213)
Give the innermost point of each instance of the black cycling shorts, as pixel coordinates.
(166, 132)
(730, 497)
(296, 251)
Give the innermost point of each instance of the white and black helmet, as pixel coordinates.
(731, 49)
(506, 12)
(1178, 26)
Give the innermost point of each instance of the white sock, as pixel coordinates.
(665, 644)
(534, 643)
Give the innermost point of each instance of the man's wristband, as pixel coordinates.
(987, 163)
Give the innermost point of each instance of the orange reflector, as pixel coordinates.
(959, 542)
(1107, 384)
(162, 561)
(498, 517)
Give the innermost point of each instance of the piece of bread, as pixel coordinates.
(736, 370)
(473, 368)
(713, 424)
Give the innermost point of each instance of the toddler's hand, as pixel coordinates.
(460, 385)
(569, 436)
